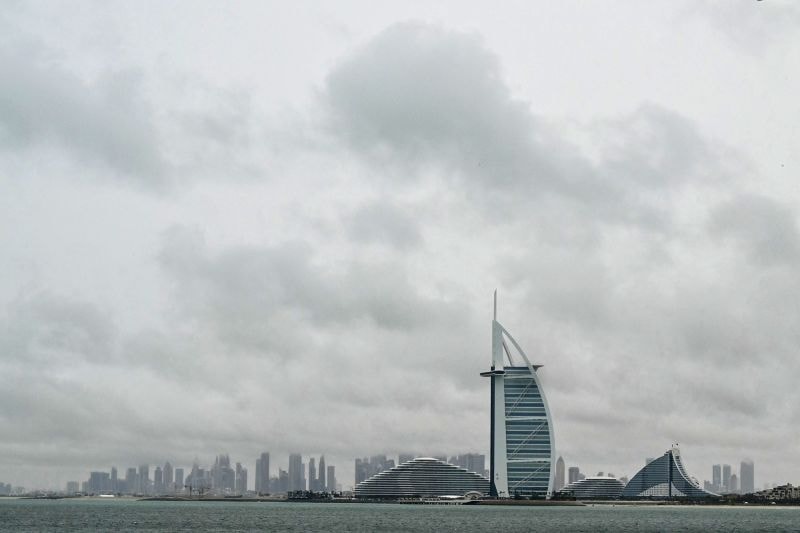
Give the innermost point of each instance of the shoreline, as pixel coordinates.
(490, 503)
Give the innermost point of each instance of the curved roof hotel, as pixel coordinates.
(521, 447)
(422, 477)
(665, 478)
(595, 488)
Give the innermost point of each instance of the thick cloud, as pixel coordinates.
(419, 96)
(42, 103)
(50, 330)
(643, 314)
(338, 300)
(765, 228)
(419, 91)
(384, 223)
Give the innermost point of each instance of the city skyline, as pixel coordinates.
(221, 477)
(368, 466)
(248, 226)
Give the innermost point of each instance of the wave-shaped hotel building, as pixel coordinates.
(521, 435)
(665, 478)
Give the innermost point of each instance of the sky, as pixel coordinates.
(248, 226)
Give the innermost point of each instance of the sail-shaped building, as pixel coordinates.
(521, 447)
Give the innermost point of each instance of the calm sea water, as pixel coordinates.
(130, 515)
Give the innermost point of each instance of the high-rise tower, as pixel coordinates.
(296, 472)
(262, 473)
(321, 482)
(312, 475)
(559, 484)
(521, 432)
(747, 478)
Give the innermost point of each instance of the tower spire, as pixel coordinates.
(495, 304)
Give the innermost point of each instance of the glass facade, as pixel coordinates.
(527, 429)
(521, 452)
(664, 478)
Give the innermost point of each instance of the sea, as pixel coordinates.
(85, 514)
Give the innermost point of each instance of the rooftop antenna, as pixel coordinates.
(495, 304)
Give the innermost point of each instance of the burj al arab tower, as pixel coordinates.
(521, 449)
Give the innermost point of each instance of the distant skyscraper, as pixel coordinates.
(283, 481)
(144, 479)
(312, 475)
(241, 479)
(361, 470)
(179, 478)
(726, 477)
(158, 480)
(366, 468)
(223, 477)
(747, 475)
(476, 462)
(405, 457)
(114, 481)
(574, 474)
(262, 473)
(72, 487)
(169, 482)
(733, 484)
(472, 462)
(331, 478)
(716, 477)
(559, 474)
(197, 478)
(99, 483)
(321, 484)
(131, 481)
(296, 472)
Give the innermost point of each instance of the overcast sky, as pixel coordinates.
(247, 226)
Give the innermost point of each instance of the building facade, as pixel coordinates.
(559, 481)
(782, 492)
(716, 477)
(331, 478)
(262, 473)
(296, 472)
(595, 488)
(322, 484)
(747, 477)
(521, 432)
(423, 477)
(665, 478)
